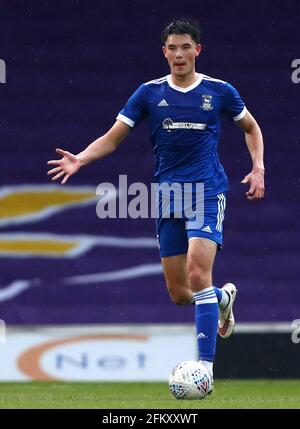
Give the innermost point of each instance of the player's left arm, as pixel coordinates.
(254, 140)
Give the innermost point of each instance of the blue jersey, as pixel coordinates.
(185, 127)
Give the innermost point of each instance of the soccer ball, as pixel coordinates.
(190, 380)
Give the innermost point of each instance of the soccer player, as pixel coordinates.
(184, 111)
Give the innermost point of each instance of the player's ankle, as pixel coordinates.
(208, 365)
(224, 300)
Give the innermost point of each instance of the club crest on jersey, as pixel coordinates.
(206, 102)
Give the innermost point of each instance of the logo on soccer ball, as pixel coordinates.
(190, 380)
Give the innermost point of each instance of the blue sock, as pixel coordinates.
(218, 292)
(206, 321)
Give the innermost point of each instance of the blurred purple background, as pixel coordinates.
(71, 65)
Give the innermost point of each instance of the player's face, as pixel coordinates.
(181, 51)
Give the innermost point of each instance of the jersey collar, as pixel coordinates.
(188, 88)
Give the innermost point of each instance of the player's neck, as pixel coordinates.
(185, 81)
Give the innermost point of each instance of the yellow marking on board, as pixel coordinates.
(31, 202)
(38, 247)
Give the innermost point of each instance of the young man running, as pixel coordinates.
(184, 111)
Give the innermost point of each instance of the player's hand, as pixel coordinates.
(257, 184)
(66, 166)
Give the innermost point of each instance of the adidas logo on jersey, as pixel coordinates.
(162, 103)
(207, 229)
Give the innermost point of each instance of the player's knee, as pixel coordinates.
(197, 277)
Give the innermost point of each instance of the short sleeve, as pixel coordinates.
(234, 106)
(135, 109)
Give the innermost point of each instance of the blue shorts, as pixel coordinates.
(173, 233)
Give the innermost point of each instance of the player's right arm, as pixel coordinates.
(69, 163)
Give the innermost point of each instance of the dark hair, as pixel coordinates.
(183, 26)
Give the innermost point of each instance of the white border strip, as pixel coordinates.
(126, 120)
(264, 328)
(241, 115)
(172, 329)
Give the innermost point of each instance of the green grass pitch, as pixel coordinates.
(227, 394)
